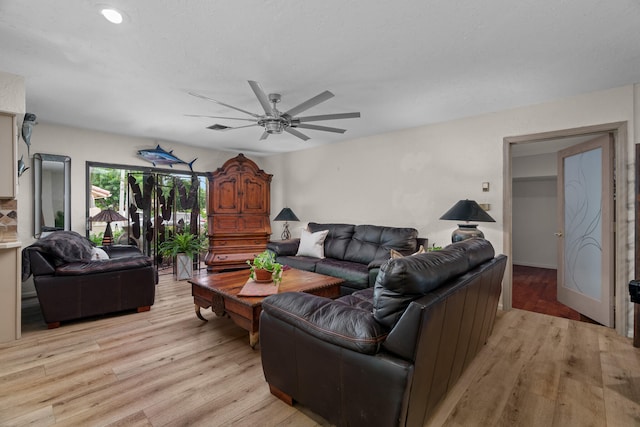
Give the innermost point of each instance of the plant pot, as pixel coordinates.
(263, 275)
(184, 266)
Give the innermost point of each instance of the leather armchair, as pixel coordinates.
(76, 287)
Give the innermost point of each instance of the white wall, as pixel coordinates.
(534, 222)
(534, 205)
(538, 165)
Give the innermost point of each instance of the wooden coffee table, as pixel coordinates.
(220, 292)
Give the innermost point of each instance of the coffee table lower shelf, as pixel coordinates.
(219, 291)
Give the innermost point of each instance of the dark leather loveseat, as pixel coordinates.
(387, 355)
(70, 285)
(352, 252)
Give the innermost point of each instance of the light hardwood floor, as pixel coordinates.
(165, 367)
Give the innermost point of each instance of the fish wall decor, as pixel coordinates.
(22, 167)
(27, 129)
(158, 156)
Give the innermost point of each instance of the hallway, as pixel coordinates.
(535, 289)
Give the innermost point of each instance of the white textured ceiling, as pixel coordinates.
(400, 63)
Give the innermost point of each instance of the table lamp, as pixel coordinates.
(108, 215)
(467, 210)
(286, 215)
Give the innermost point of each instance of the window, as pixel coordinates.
(154, 204)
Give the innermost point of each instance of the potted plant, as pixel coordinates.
(183, 246)
(264, 268)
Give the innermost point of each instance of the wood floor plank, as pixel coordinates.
(582, 356)
(42, 416)
(621, 381)
(497, 380)
(166, 367)
(579, 404)
(535, 392)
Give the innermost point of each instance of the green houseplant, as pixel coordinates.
(264, 268)
(183, 246)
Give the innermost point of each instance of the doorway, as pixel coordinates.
(515, 175)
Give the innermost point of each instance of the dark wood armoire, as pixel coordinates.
(238, 214)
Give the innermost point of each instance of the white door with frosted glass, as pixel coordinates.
(585, 235)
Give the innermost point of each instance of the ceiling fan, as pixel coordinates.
(274, 121)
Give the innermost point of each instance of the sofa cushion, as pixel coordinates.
(371, 242)
(93, 267)
(403, 280)
(335, 245)
(343, 323)
(284, 247)
(300, 262)
(312, 244)
(357, 275)
(98, 254)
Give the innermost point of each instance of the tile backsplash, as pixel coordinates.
(8, 220)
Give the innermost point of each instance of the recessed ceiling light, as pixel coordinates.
(112, 15)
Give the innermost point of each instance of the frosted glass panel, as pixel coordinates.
(583, 223)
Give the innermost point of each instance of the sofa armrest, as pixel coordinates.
(94, 267)
(36, 263)
(329, 320)
(121, 251)
(284, 247)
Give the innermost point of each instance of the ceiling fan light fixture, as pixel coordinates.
(273, 126)
(112, 15)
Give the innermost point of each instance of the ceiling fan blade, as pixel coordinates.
(328, 117)
(294, 132)
(324, 128)
(310, 103)
(197, 95)
(223, 127)
(262, 97)
(219, 117)
(265, 134)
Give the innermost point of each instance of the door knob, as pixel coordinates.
(558, 234)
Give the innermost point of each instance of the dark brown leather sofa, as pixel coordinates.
(387, 355)
(352, 252)
(69, 285)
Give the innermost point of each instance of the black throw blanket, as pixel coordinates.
(63, 246)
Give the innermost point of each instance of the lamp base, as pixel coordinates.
(286, 235)
(466, 231)
(107, 238)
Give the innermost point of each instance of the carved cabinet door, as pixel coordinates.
(255, 195)
(226, 194)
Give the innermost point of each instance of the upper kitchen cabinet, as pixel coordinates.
(8, 156)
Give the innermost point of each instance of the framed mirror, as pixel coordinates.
(52, 193)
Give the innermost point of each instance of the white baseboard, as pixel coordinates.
(536, 265)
